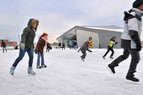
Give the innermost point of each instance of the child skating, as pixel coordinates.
(110, 47)
(83, 49)
(42, 42)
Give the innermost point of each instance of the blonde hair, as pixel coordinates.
(35, 21)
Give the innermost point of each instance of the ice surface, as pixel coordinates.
(66, 74)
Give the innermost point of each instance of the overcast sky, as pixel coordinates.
(57, 16)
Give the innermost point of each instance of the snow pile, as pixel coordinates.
(66, 74)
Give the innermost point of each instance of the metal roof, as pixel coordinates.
(72, 32)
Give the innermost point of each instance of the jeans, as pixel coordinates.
(4, 48)
(38, 58)
(135, 58)
(21, 55)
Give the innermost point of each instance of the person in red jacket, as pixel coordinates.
(39, 50)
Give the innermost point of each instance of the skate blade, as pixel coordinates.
(109, 70)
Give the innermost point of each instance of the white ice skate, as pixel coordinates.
(12, 70)
(30, 71)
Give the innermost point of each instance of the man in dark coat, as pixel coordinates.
(3, 45)
(83, 49)
(27, 45)
(130, 40)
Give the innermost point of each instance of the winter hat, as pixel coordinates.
(44, 34)
(137, 3)
(86, 43)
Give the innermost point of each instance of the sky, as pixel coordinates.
(58, 16)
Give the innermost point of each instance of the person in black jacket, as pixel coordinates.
(110, 47)
(83, 49)
(3, 45)
(130, 40)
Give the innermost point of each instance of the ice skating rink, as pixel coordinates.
(66, 74)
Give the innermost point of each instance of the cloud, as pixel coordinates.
(57, 17)
(55, 24)
(103, 10)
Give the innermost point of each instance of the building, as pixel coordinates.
(9, 43)
(98, 35)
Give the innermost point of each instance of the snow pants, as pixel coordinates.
(109, 49)
(135, 58)
(84, 54)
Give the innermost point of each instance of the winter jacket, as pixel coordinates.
(132, 29)
(28, 35)
(85, 47)
(3, 44)
(112, 43)
(40, 45)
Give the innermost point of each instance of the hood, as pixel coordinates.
(29, 24)
(31, 21)
(138, 12)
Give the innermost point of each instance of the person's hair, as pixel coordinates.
(35, 21)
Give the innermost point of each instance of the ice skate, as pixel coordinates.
(44, 66)
(111, 68)
(12, 70)
(132, 77)
(30, 71)
(38, 67)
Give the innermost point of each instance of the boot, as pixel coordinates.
(38, 67)
(44, 66)
(111, 68)
(30, 71)
(130, 76)
(12, 70)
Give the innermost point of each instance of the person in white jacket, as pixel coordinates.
(130, 40)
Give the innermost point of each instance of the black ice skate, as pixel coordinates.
(132, 78)
(44, 66)
(111, 68)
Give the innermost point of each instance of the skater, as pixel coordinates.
(130, 40)
(63, 46)
(3, 45)
(48, 47)
(27, 45)
(83, 49)
(110, 47)
(39, 50)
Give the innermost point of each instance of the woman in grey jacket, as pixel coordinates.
(130, 40)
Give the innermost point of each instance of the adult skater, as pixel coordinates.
(42, 42)
(27, 45)
(3, 45)
(110, 47)
(83, 49)
(130, 40)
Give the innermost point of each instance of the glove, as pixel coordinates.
(22, 46)
(116, 42)
(139, 47)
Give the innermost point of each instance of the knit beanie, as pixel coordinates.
(137, 3)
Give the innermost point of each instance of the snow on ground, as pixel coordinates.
(66, 74)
